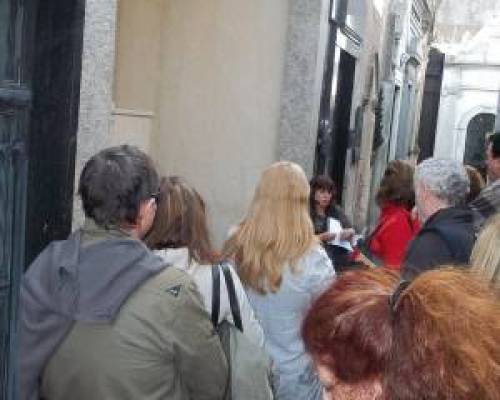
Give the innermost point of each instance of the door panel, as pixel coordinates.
(40, 64)
(475, 143)
(5, 42)
(4, 336)
(16, 27)
(13, 169)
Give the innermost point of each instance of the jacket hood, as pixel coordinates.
(89, 282)
(452, 216)
(75, 280)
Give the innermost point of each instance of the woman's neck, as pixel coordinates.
(321, 211)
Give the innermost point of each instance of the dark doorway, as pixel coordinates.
(396, 104)
(406, 114)
(430, 104)
(475, 142)
(324, 140)
(335, 114)
(52, 144)
(40, 56)
(342, 119)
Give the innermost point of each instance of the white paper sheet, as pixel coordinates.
(334, 226)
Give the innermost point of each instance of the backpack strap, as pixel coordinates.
(215, 295)
(233, 299)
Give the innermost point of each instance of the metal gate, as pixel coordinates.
(40, 65)
(16, 30)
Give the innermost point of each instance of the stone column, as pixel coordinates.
(96, 90)
(303, 77)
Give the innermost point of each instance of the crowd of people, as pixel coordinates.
(131, 305)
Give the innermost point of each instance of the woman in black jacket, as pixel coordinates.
(323, 208)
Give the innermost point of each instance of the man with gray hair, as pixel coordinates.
(447, 234)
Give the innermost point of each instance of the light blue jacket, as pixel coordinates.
(281, 314)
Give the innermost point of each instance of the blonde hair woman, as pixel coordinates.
(485, 257)
(284, 268)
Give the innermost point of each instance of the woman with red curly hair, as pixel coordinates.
(436, 338)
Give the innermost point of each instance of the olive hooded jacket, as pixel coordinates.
(101, 317)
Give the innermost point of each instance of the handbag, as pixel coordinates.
(250, 374)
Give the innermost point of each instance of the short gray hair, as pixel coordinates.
(446, 179)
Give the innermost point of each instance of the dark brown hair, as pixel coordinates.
(321, 182)
(180, 221)
(476, 182)
(437, 340)
(494, 140)
(114, 182)
(397, 185)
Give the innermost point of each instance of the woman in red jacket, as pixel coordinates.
(396, 225)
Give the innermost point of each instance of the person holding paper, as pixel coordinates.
(331, 225)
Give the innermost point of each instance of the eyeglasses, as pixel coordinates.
(155, 196)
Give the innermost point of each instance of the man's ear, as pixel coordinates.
(424, 190)
(497, 163)
(142, 212)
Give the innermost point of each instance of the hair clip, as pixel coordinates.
(393, 298)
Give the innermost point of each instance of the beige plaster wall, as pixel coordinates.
(219, 98)
(132, 127)
(138, 49)
(137, 72)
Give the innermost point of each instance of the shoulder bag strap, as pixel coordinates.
(233, 300)
(215, 294)
(370, 236)
(411, 222)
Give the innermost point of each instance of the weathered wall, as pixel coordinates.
(471, 85)
(303, 77)
(96, 85)
(467, 91)
(138, 49)
(457, 21)
(137, 72)
(219, 98)
(217, 90)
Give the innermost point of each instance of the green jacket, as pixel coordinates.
(161, 345)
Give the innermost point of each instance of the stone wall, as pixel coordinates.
(96, 86)
(303, 77)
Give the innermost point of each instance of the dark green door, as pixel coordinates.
(475, 142)
(40, 65)
(16, 29)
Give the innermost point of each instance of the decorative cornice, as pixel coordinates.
(351, 34)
